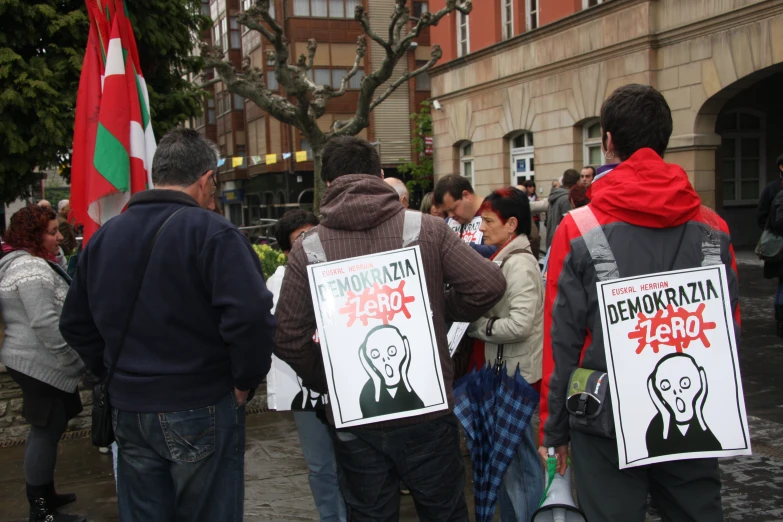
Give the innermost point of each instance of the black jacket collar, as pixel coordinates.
(162, 196)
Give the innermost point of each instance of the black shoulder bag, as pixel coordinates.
(102, 429)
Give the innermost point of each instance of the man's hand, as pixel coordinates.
(561, 453)
(241, 396)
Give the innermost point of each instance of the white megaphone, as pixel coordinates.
(559, 505)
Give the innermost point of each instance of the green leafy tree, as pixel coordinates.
(420, 171)
(42, 45)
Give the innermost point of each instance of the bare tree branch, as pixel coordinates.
(250, 84)
(364, 19)
(434, 57)
(361, 49)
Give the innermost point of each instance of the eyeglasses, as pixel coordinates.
(215, 182)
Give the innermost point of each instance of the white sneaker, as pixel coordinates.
(104, 450)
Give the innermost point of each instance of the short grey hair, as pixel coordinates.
(398, 185)
(182, 157)
(62, 204)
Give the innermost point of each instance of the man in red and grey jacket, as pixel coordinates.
(653, 222)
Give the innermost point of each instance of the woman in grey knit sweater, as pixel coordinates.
(32, 292)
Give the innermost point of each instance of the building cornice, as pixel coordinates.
(651, 41)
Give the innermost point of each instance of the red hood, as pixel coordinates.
(646, 191)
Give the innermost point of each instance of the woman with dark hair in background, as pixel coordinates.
(517, 323)
(32, 292)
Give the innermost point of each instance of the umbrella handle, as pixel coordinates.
(499, 359)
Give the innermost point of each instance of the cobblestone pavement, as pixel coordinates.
(277, 488)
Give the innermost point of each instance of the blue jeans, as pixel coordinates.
(425, 456)
(318, 451)
(523, 483)
(182, 466)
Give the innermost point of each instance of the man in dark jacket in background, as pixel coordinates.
(199, 341)
(559, 204)
(363, 215)
(768, 195)
(644, 218)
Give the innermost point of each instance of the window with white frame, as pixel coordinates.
(742, 150)
(532, 14)
(466, 161)
(591, 140)
(325, 8)
(591, 3)
(523, 165)
(463, 35)
(507, 15)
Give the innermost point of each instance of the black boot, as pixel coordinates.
(42, 511)
(57, 501)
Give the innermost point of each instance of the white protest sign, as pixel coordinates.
(285, 390)
(469, 233)
(377, 338)
(455, 335)
(674, 375)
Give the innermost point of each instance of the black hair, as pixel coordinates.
(510, 202)
(638, 117)
(780, 160)
(591, 168)
(453, 185)
(529, 183)
(570, 178)
(287, 224)
(349, 155)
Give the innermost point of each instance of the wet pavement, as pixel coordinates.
(276, 478)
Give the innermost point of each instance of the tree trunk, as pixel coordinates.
(319, 187)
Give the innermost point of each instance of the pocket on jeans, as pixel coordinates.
(190, 435)
(438, 436)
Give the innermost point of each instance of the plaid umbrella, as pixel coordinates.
(494, 410)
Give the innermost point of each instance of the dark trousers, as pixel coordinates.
(682, 490)
(185, 466)
(425, 456)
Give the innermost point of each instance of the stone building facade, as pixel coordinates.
(527, 106)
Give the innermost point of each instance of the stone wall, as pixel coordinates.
(12, 424)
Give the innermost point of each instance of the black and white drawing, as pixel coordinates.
(308, 399)
(386, 357)
(678, 388)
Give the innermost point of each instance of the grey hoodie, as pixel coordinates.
(558, 206)
(31, 300)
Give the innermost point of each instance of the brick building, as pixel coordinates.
(254, 191)
(522, 81)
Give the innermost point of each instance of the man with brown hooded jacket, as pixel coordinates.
(362, 215)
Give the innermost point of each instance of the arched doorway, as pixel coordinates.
(742, 120)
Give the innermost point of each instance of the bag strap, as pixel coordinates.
(314, 249)
(514, 252)
(488, 331)
(603, 257)
(136, 293)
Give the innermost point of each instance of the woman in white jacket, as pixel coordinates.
(519, 327)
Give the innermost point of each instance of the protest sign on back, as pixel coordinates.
(377, 338)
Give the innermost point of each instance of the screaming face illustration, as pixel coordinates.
(678, 388)
(386, 357)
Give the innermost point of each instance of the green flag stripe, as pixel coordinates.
(112, 160)
(145, 114)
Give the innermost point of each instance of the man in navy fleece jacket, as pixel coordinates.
(200, 339)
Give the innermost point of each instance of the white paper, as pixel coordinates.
(674, 374)
(455, 335)
(377, 338)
